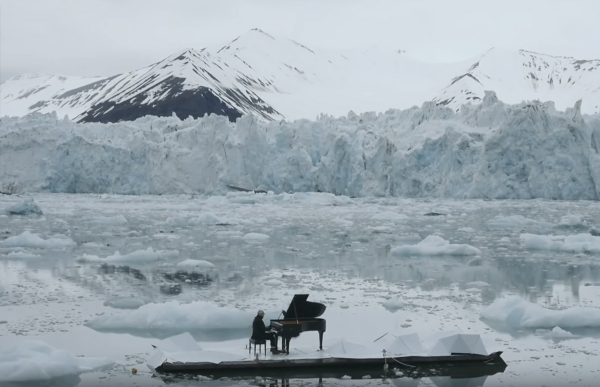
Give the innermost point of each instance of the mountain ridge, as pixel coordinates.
(276, 78)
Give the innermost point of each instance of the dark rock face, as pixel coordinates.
(184, 103)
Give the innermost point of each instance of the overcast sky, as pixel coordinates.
(106, 37)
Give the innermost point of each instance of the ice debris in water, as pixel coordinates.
(435, 245)
(27, 207)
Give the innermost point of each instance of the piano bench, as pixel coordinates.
(257, 343)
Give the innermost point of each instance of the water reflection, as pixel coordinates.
(442, 376)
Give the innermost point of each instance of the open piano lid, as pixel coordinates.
(300, 308)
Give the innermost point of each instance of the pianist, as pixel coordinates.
(261, 332)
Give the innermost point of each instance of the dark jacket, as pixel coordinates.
(259, 329)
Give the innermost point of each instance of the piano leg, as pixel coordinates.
(321, 340)
(287, 344)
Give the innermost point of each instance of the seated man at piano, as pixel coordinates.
(262, 332)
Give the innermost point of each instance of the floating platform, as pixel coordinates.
(332, 366)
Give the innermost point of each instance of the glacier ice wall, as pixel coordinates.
(491, 150)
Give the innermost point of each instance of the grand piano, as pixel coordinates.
(301, 316)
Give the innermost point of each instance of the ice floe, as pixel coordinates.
(393, 305)
(255, 237)
(177, 317)
(31, 361)
(27, 207)
(27, 239)
(435, 245)
(578, 243)
(518, 313)
(126, 302)
(196, 263)
(138, 256)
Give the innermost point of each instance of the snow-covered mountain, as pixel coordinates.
(277, 78)
(524, 75)
(494, 150)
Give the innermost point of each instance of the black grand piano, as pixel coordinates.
(301, 316)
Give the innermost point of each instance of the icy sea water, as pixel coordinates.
(265, 249)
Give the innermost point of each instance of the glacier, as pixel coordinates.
(491, 150)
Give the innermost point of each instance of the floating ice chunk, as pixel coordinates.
(256, 237)
(393, 305)
(389, 215)
(343, 222)
(512, 221)
(118, 220)
(138, 256)
(518, 313)
(379, 229)
(572, 221)
(126, 302)
(205, 218)
(558, 334)
(193, 263)
(19, 255)
(28, 207)
(175, 317)
(435, 245)
(177, 221)
(579, 243)
(27, 239)
(31, 361)
(478, 285)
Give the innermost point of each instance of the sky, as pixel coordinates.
(107, 37)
